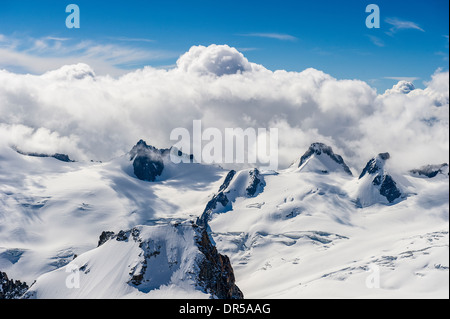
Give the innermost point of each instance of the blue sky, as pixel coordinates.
(411, 43)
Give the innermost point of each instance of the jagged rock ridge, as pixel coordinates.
(431, 171)
(58, 156)
(11, 289)
(246, 183)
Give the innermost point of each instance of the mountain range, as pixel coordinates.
(140, 226)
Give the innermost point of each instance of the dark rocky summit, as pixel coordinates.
(255, 182)
(318, 149)
(147, 161)
(375, 165)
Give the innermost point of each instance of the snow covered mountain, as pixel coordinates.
(376, 184)
(320, 158)
(140, 226)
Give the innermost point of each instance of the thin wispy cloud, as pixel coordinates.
(56, 38)
(38, 55)
(402, 78)
(247, 49)
(398, 25)
(277, 36)
(126, 39)
(376, 40)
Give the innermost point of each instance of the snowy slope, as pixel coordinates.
(53, 210)
(306, 236)
(311, 230)
(160, 261)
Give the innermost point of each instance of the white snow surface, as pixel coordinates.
(301, 236)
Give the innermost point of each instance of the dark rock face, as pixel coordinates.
(388, 187)
(11, 289)
(430, 171)
(120, 236)
(256, 180)
(216, 273)
(319, 148)
(104, 237)
(147, 161)
(227, 180)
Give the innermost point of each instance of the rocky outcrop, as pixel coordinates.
(147, 160)
(245, 183)
(216, 273)
(255, 181)
(104, 237)
(58, 156)
(431, 171)
(11, 289)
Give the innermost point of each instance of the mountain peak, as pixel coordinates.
(329, 162)
(147, 161)
(375, 179)
(375, 164)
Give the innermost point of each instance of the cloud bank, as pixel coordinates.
(74, 111)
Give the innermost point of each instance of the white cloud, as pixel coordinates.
(402, 87)
(398, 24)
(91, 116)
(215, 60)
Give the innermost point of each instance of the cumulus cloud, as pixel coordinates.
(91, 116)
(215, 60)
(402, 87)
